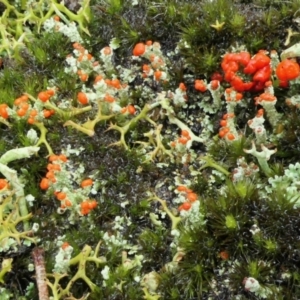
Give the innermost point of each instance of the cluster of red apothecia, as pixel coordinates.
(246, 73)
(249, 74)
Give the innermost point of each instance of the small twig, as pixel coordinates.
(40, 272)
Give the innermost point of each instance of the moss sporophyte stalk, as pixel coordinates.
(149, 152)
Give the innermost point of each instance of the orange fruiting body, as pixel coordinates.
(92, 204)
(108, 98)
(84, 77)
(86, 183)
(3, 183)
(65, 245)
(223, 123)
(131, 109)
(214, 84)
(192, 197)
(139, 49)
(44, 96)
(181, 188)
(61, 196)
(107, 50)
(68, 203)
(31, 120)
(157, 74)
(182, 140)
(82, 98)
(200, 85)
(21, 112)
(287, 70)
(182, 86)
(3, 111)
(44, 185)
(185, 206)
(230, 136)
(224, 255)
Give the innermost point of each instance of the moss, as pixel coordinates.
(153, 243)
(11, 83)
(230, 209)
(210, 61)
(271, 18)
(231, 152)
(201, 186)
(114, 6)
(21, 274)
(237, 24)
(220, 10)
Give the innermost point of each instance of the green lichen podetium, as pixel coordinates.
(14, 31)
(10, 218)
(12, 176)
(85, 256)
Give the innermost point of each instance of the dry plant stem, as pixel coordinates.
(40, 272)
